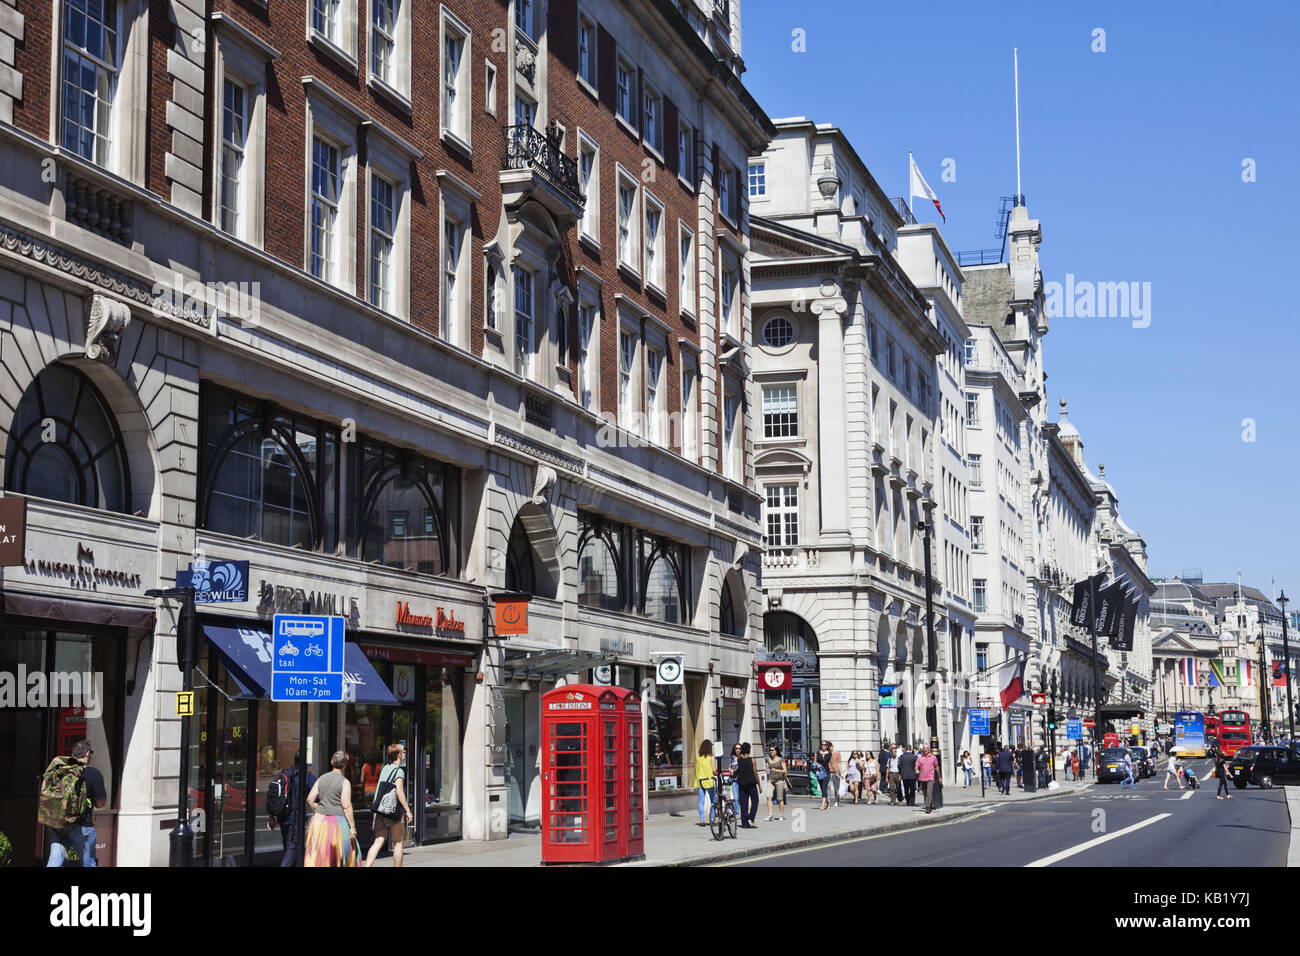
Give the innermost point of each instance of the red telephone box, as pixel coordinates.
(593, 806)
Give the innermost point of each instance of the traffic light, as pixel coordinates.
(1051, 718)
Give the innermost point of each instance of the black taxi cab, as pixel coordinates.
(1264, 766)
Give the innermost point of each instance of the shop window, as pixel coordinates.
(600, 579)
(520, 572)
(664, 727)
(64, 444)
(663, 588)
(731, 606)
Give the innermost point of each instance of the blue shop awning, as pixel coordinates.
(246, 652)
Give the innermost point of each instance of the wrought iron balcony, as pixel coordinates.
(529, 148)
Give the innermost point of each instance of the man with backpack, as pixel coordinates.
(282, 808)
(71, 790)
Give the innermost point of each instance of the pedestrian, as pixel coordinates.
(390, 796)
(986, 768)
(747, 780)
(1128, 780)
(1172, 768)
(829, 758)
(332, 834)
(894, 780)
(907, 770)
(1021, 760)
(1075, 765)
(1042, 763)
(705, 780)
(967, 768)
(71, 791)
(287, 819)
(871, 770)
(1006, 765)
(1221, 772)
(885, 753)
(731, 774)
(779, 777)
(927, 772)
(853, 775)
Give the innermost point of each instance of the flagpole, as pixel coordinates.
(1015, 53)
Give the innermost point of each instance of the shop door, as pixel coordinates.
(404, 730)
(226, 799)
(521, 762)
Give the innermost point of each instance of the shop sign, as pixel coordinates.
(216, 581)
(413, 656)
(669, 670)
(775, 675)
(837, 696)
(511, 617)
(617, 645)
(404, 682)
(281, 599)
(733, 693)
(1017, 716)
(887, 699)
(441, 620)
(603, 675)
(13, 530)
(665, 783)
(83, 575)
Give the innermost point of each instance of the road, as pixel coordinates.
(1106, 826)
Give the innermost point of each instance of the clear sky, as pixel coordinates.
(1132, 160)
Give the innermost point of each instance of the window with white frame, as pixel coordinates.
(628, 233)
(383, 228)
(975, 470)
(726, 190)
(981, 650)
(587, 50)
(654, 397)
(525, 111)
(327, 20)
(455, 79)
(778, 332)
(453, 278)
(781, 515)
(977, 532)
(490, 88)
(91, 62)
(234, 137)
(492, 273)
(624, 91)
(729, 292)
(326, 179)
(524, 18)
(971, 352)
(626, 377)
(686, 152)
(686, 267)
(589, 182)
(383, 41)
(690, 414)
(780, 411)
(588, 323)
(757, 179)
(652, 119)
(654, 242)
(972, 409)
(731, 434)
(523, 322)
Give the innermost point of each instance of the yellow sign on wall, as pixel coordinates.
(185, 703)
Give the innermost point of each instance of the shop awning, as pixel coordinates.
(554, 663)
(246, 652)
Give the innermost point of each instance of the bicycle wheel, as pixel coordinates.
(731, 820)
(717, 821)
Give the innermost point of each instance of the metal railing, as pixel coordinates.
(904, 210)
(980, 257)
(530, 148)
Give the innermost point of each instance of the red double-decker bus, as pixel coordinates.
(1211, 730)
(1234, 731)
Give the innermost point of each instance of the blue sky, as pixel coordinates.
(1132, 162)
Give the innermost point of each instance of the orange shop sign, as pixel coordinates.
(511, 617)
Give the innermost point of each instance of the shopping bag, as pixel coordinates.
(813, 787)
(844, 787)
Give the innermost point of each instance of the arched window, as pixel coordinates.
(600, 578)
(731, 606)
(783, 630)
(403, 525)
(663, 584)
(260, 468)
(520, 575)
(65, 444)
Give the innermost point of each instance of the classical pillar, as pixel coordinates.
(830, 308)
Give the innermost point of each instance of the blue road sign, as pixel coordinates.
(979, 721)
(1074, 728)
(307, 658)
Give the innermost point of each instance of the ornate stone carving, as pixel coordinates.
(525, 59)
(830, 302)
(543, 484)
(106, 320)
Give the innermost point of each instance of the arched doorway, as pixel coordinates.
(792, 718)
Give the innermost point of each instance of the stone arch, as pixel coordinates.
(733, 604)
(534, 526)
(540, 498)
(48, 327)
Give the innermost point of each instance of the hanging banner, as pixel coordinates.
(775, 675)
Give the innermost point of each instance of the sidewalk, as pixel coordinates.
(677, 841)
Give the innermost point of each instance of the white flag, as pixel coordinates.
(920, 187)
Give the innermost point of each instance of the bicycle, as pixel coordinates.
(723, 816)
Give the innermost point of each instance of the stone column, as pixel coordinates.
(830, 308)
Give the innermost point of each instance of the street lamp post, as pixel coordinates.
(1263, 682)
(931, 712)
(1286, 652)
(182, 836)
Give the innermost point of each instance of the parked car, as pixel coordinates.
(1143, 762)
(1110, 764)
(1264, 766)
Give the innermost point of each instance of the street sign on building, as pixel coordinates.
(837, 696)
(979, 722)
(888, 700)
(307, 658)
(216, 582)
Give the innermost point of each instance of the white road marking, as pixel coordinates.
(1187, 795)
(1098, 841)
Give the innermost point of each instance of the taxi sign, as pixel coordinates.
(307, 658)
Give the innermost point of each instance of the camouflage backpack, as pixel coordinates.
(63, 793)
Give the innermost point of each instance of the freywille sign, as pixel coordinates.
(13, 530)
(216, 581)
